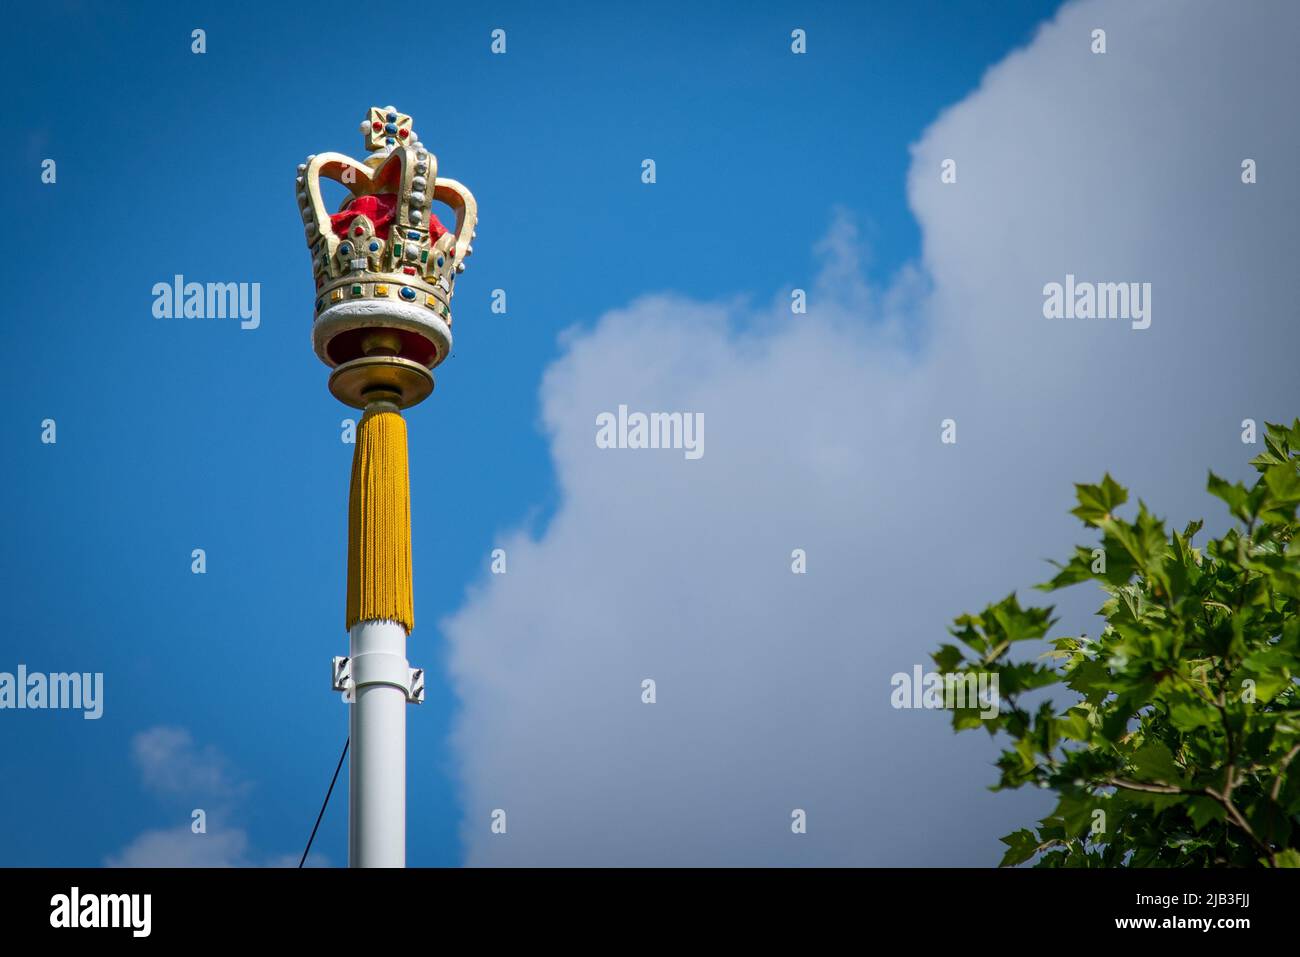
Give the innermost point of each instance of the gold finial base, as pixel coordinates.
(381, 378)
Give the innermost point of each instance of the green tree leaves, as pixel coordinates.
(1098, 502)
(1180, 742)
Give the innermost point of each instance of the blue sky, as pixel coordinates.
(182, 434)
(186, 434)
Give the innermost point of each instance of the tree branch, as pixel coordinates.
(1153, 788)
(1281, 772)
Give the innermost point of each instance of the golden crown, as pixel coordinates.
(384, 265)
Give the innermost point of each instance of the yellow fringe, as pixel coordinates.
(379, 524)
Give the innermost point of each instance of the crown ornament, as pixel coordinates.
(384, 265)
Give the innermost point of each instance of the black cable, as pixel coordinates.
(307, 849)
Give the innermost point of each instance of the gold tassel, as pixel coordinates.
(379, 522)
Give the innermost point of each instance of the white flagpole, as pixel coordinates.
(382, 322)
(381, 679)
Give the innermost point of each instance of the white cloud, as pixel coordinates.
(188, 777)
(219, 847)
(171, 764)
(823, 434)
(179, 847)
